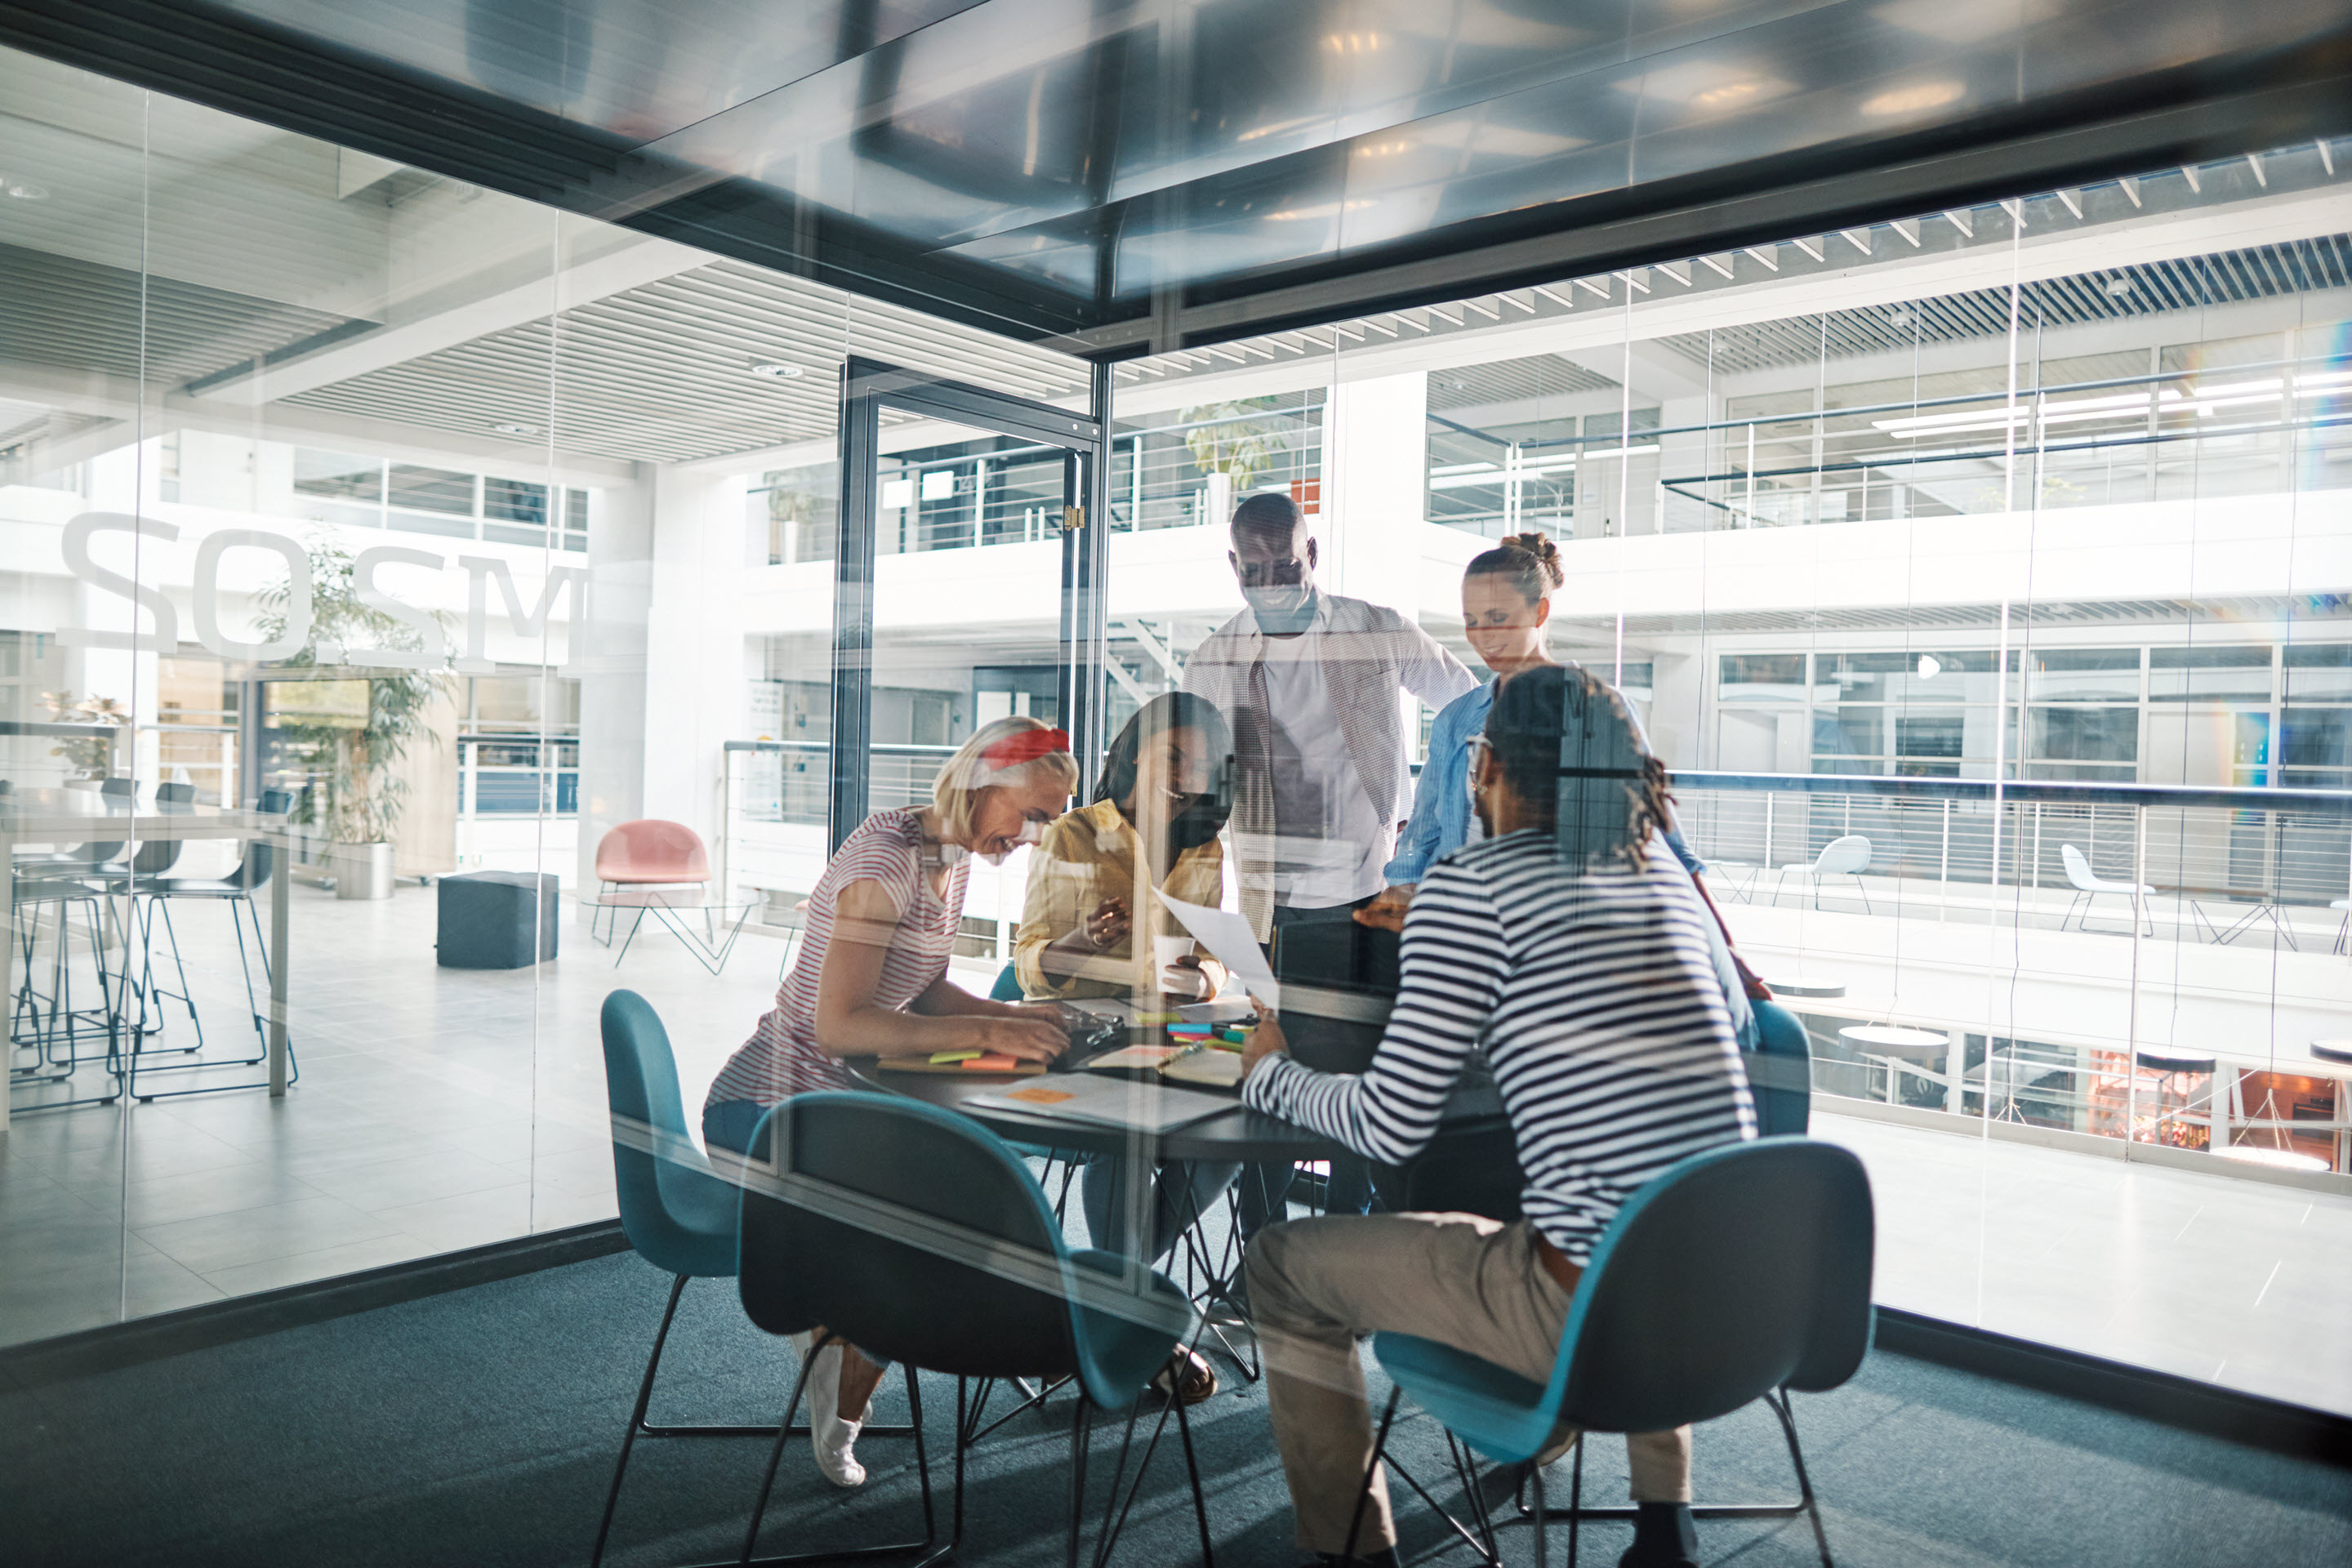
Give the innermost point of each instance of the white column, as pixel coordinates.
(608, 655)
(1374, 470)
(694, 699)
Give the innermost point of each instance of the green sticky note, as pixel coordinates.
(941, 1058)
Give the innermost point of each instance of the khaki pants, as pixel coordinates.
(1468, 1281)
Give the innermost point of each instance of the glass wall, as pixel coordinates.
(374, 544)
(1979, 575)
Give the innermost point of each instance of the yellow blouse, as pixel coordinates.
(1089, 855)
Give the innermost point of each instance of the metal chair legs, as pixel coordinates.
(929, 1545)
(1806, 1502)
(637, 1420)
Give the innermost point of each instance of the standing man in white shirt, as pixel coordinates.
(1312, 684)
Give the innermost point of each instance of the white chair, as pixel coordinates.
(1846, 857)
(2088, 887)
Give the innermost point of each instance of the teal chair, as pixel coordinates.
(1780, 1072)
(1739, 1274)
(678, 1215)
(919, 1236)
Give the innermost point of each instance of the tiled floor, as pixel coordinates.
(2243, 1283)
(436, 1108)
(439, 1108)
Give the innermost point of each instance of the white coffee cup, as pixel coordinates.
(1168, 949)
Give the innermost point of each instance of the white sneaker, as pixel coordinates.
(829, 1437)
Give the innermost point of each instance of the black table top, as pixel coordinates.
(1240, 1134)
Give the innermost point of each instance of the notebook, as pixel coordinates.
(1105, 1101)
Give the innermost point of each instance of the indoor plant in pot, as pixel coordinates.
(361, 727)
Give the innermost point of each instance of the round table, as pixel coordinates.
(1240, 1134)
(1913, 1045)
(1805, 985)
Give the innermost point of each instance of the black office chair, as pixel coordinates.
(919, 1236)
(251, 875)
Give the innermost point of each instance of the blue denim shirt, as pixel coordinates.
(1439, 822)
(1440, 825)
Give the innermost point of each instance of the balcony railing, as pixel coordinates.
(2222, 863)
(2171, 870)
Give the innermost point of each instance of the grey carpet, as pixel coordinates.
(479, 1428)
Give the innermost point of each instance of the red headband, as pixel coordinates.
(1026, 746)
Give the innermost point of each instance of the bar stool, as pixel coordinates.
(236, 890)
(61, 879)
(2170, 1067)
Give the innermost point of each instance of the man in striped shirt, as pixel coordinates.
(1581, 965)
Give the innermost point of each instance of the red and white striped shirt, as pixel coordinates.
(782, 1057)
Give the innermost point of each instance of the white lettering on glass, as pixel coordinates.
(76, 546)
(480, 570)
(427, 656)
(298, 595)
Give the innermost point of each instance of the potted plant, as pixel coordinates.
(92, 757)
(359, 729)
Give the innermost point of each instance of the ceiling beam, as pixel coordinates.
(614, 261)
(1883, 279)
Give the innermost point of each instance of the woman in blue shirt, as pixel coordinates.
(1506, 605)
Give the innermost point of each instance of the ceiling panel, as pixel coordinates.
(663, 372)
(1152, 177)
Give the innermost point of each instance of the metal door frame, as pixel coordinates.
(867, 387)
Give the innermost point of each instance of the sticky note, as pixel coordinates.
(998, 1063)
(941, 1058)
(1041, 1096)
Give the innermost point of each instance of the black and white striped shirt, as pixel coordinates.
(1601, 1013)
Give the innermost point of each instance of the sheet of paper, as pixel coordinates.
(1110, 1101)
(1228, 936)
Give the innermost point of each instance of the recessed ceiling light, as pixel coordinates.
(1898, 318)
(507, 428)
(25, 190)
(1915, 99)
(2120, 286)
(772, 371)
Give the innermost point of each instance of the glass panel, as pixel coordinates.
(421, 488)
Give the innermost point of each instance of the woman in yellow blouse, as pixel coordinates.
(1163, 790)
(1153, 823)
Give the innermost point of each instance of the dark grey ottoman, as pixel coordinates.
(488, 920)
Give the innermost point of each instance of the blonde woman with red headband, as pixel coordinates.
(871, 979)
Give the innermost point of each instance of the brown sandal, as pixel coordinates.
(1187, 1371)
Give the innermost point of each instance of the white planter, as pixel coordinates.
(361, 870)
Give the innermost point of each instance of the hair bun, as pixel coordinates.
(1539, 545)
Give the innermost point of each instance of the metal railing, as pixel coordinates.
(2248, 428)
(2267, 870)
(2221, 861)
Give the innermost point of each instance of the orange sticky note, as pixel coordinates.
(1041, 1096)
(998, 1063)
